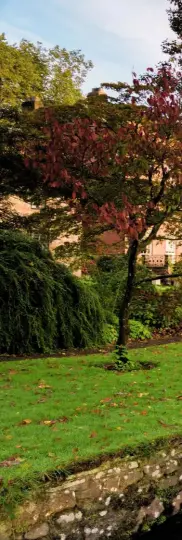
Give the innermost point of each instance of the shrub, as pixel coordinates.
(109, 279)
(80, 317)
(139, 330)
(109, 334)
(42, 305)
(169, 309)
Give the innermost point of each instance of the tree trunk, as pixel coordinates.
(124, 308)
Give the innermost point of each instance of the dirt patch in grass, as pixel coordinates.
(141, 366)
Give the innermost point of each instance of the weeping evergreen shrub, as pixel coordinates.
(42, 305)
(80, 317)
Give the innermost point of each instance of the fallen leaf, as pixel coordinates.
(113, 405)
(105, 400)
(163, 424)
(119, 428)
(93, 435)
(10, 462)
(144, 413)
(25, 422)
(48, 422)
(64, 419)
(44, 385)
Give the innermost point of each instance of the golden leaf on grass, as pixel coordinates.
(114, 405)
(119, 428)
(26, 422)
(42, 384)
(48, 422)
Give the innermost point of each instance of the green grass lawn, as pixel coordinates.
(56, 412)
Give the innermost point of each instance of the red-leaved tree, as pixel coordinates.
(128, 179)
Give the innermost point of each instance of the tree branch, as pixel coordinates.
(156, 278)
(152, 235)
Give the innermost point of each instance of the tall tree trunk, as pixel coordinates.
(124, 308)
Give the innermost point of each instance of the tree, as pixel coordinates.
(53, 75)
(128, 179)
(174, 48)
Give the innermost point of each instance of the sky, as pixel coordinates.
(119, 36)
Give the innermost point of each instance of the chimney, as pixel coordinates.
(97, 92)
(32, 104)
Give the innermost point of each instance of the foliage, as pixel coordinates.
(80, 316)
(43, 306)
(144, 303)
(169, 312)
(109, 278)
(109, 334)
(151, 306)
(174, 48)
(53, 75)
(138, 330)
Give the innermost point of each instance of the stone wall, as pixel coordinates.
(114, 500)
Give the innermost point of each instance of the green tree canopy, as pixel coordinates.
(53, 75)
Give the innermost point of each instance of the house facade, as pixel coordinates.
(160, 254)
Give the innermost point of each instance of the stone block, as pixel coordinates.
(89, 491)
(59, 499)
(5, 531)
(38, 532)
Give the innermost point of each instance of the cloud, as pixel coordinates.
(131, 19)
(120, 31)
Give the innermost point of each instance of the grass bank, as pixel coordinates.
(58, 412)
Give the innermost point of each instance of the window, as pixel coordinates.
(34, 206)
(171, 250)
